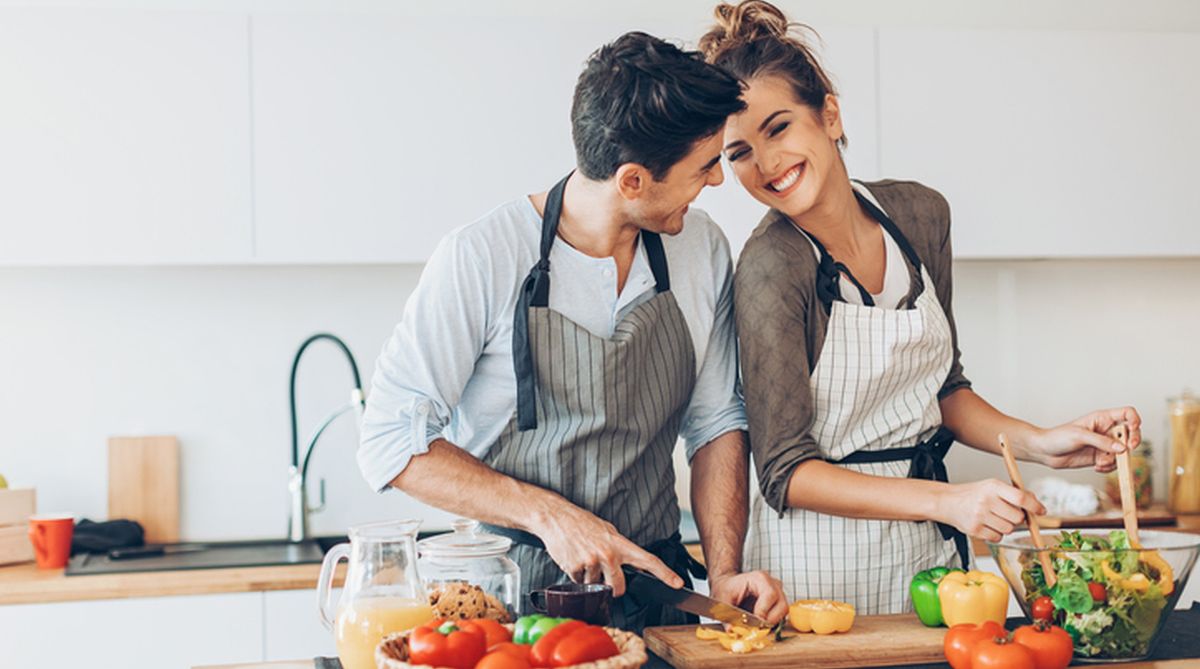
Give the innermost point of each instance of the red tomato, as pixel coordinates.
(1043, 608)
(1001, 654)
(586, 645)
(1098, 594)
(1051, 646)
(542, 654)
(492, 630)
(960, 639)
(502, 660)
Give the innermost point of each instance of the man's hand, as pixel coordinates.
(591, 550)
(753, 588)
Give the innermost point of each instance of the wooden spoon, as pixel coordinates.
(1035, 532)
(1125, 479)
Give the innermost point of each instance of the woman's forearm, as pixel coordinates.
(820, 486)
(977, 424)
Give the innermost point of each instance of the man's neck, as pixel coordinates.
(591, 220)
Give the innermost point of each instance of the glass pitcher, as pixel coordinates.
(382, 592)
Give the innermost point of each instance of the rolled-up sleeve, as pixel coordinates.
(771, 304)
(426, 363)
(716, 406)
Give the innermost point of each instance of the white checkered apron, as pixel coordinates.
(875, 387)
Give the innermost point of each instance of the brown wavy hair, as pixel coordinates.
(754, 39)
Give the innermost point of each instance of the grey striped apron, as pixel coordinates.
(875, 388)
(597, 420)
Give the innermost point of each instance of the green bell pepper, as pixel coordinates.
(522, 626)
(924, 593)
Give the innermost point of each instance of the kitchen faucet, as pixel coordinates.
(298, 472)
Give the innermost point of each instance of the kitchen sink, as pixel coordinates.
(213, 555)
(209, 555)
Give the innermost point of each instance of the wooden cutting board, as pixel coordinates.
(1152, 517)
(873, 641)
(143, 484)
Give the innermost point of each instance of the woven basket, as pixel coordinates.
(392, 652)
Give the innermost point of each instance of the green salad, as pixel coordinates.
(1109, 597)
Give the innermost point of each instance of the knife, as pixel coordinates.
(646, 586)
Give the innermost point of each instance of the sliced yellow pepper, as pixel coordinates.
(738, 639)
(973, 597)
(822, 616)
(1138, 582)
(1166, 575)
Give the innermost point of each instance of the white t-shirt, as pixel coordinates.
(896, 279)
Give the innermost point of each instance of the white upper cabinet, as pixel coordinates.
(375, 135)
(1048, 144)
(124, 137)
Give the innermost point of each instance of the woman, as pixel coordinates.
(853, 385)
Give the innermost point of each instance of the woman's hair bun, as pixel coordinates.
(740, 24)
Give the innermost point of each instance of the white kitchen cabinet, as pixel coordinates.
(124, 137)
(292, 627)
(143, 633)
(1051, 143)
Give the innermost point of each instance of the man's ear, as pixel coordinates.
(633, 180)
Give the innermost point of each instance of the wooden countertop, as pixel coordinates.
(26, 584)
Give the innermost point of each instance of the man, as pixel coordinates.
(546, 402)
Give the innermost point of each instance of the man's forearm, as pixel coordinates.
(452, 479)
(720, 500)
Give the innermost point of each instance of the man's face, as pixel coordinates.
(667, 201)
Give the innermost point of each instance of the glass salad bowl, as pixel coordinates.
(1113, 600)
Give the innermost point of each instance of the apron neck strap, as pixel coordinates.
(830, 271)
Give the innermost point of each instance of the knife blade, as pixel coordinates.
(646, 586)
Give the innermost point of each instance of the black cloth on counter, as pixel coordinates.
(1180, 640)
(93, 537)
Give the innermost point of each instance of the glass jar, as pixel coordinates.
(1142, 464)
(1183, 477)
(468, 573)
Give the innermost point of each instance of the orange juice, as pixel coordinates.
(364, 621)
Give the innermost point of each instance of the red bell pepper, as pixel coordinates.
(585, 645)
(444, 644)
(542, 654)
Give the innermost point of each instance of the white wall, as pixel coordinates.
(204, 352)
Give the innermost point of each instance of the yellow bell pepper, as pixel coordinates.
(973, 597)
(822, 616)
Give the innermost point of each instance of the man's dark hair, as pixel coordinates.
(642, 100)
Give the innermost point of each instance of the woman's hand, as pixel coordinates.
(987, 509)
(1085, 440)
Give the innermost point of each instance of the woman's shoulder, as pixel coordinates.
(911, 202)
(777, 251)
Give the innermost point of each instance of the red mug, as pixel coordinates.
(51, 538)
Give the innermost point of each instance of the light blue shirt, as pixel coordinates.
(447, 370)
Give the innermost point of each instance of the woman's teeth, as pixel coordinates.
(784, 182)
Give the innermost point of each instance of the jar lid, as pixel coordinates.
(466, 541)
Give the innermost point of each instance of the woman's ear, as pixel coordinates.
(831, 116)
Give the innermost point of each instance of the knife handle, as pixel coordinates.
(135, 552)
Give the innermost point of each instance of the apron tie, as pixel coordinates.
(928, 464)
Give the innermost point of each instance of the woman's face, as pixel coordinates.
(782, 151)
